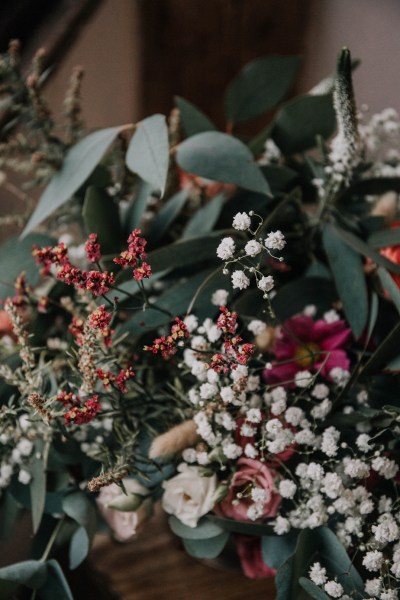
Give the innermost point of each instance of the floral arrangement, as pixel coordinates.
(209, 319)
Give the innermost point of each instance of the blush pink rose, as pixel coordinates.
(250, 473)
(249, 551)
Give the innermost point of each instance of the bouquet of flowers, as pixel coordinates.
(211, 319)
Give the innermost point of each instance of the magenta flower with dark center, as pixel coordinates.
(304, 344)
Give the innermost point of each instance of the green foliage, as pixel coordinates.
(205, 218)
(193, 119)
(166, 216)
(79, 163)
(301, 120)
(204, 530)
(347, 269)
(230, 161)
(38, 470)
(101, 216)
(16, 257)
(206, 548)
(259, 87)
(313, 590)
(277, 549)
(148, 151)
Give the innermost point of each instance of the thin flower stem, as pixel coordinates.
(52, 540)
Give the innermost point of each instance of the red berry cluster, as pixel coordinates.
(92, 248)
(235, 352)
(167, 345)
(48, 255)
(134, 255)
(227, 321)
(79, 412)
(120, 379)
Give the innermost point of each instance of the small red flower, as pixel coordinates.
(92, 248)
(142, 272)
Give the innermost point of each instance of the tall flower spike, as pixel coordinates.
(344, 103)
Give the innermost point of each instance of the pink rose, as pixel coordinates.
(249, 551)
(122, 521)
(251, 474)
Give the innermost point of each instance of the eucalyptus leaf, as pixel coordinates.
(206, 548)
(185, 252)
(205, 218)
(385, 237)
(148, 151)
(79, 508)
(347, 269)
(166, 216)
(193, 119)
(138, 206)
(374, 186)
(101, 216)
(259, 87)
(393, 365)
(313, 590)
(78, 547)
(204, 530)
(385, 352)
(390, 286)
(16, 257)
(244, 527)
(78, 164)
(31, 573)
(300, 121)
(363, 248)
(56, 585)
(221, 157)
(276, 549)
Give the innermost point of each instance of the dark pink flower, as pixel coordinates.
(249, 551)
(303, 344)
(250, 473)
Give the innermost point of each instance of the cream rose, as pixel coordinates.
(188, 495)
(122, 521)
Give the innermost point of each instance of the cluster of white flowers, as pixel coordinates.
(227, 251)
(17, 450)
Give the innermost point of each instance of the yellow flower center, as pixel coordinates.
(305, 356)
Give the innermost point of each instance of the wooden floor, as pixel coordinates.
(154, 567)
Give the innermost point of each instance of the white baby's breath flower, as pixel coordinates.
(220, 297)
(241, 221)
(240, 280)
(303, 378)
(252, 248)
(372, 560)
(275, 240)
(317, 574)
(287, 488)
(334, 589)
(256, 326)
(266, 283)
(226, 248)
(24, 476)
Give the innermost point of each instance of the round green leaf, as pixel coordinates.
(78, 164)
(208, 548)
(221, 157)
(78, 547)
(205, 529)
(166, 216)
(205, 218)
(148, 151)
(259, 87)
(276, 549)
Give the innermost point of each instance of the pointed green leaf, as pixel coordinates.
(193, 119)
(385, 237)
(16, 257)
(185, 252)
(166, 216)
(205, 218)
(78, 547)
(348, 272)
(101, 216)
(301, 120)
(56, 586)
(78, 164)
(208, 548)
(138, 207)
(313, 590)
(259, 87)
(31, 573)
(148, 151)
(221, 157)
(390, 286)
